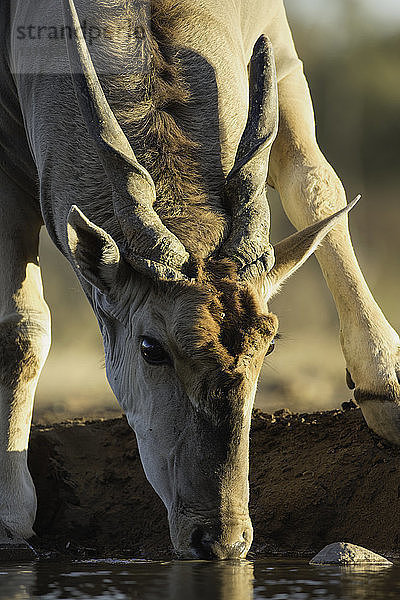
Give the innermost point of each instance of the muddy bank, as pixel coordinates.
(315, 479)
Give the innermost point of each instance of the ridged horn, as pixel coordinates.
(248, 243)
(152, 248)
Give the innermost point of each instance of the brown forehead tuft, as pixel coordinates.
(218, 317)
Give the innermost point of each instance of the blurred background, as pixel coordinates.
(351, 53)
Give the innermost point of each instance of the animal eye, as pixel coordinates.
(153, 352)
(271, 347)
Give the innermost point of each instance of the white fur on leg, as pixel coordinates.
(17, 495)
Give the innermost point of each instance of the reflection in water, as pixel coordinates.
(289, 579)
(196, 580)
(375, 581)
(189, 580)
(16, 582)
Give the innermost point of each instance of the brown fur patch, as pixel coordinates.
(18, 360)
(219, 319)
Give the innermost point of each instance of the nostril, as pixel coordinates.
(196, 537)
(206, 547)
(201, 543)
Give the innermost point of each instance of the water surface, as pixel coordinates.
(195, 580)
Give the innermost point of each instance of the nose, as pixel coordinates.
(206, 546)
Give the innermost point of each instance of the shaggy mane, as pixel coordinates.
(157, 106)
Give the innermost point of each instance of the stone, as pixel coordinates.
(342, 553)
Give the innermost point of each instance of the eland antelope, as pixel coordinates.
(142, 134)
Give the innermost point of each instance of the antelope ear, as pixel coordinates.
(94, 252)
(293, 251)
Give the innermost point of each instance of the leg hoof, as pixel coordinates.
(382, 416)
(14, 548)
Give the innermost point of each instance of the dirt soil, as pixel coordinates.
(315, 479)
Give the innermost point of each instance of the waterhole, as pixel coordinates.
(196, 580)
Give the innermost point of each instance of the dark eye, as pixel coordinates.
(271, 347)
(153, 352)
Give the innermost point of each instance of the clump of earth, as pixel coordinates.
(314, 479)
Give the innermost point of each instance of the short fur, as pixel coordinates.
(18, 360)
(220, 317)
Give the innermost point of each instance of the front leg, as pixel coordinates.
(310, 190)
(24, 344)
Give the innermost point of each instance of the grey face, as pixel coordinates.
(189, 402)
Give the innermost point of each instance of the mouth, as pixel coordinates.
(214, 542)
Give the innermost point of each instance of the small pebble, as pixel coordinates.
(283, 412)
(342, 553)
